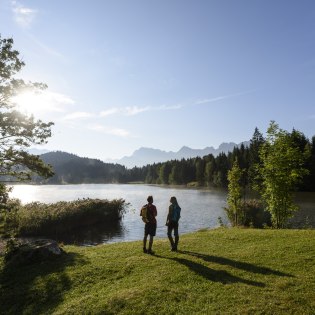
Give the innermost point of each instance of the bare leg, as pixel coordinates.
(150, 243)
(145, 243)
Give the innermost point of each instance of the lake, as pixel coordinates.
(200, 208)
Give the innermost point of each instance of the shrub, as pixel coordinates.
(51, 219)
(251, 214)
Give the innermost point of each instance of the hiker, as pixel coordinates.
(172, 222)
(148, 213)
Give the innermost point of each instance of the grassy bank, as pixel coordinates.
(223, 271)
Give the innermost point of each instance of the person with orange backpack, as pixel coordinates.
(172, 223)
(148, 213)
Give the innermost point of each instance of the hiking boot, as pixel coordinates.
(145, 250)
(150, 252)
(174, 249)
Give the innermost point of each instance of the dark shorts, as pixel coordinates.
(150, 229)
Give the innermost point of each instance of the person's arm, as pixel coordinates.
(168, 215)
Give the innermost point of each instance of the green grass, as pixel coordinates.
(223, 271)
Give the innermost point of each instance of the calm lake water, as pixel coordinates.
(200, 208)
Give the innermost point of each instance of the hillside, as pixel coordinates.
(223, 271)
(70, 168)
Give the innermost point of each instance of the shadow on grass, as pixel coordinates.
(36, 288)
(236, 264)
(210, 274)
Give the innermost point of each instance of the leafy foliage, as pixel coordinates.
(235, 192)
(251, 214)
(281, 169)
(242, 212)
(18, 131)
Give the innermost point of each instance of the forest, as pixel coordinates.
(206, 171)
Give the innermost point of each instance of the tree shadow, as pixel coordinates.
(237, 264)
(212, 275)
(34, 288)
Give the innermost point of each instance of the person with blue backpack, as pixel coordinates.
(172, 223)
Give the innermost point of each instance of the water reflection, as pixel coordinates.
(305, 216)
(92, 235)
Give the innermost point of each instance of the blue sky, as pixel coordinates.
(125, 74)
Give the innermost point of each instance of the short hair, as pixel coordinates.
(150, 199)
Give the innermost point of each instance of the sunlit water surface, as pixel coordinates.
(200, 208)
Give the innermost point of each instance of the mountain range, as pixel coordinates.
(144, 156)
(70, 168)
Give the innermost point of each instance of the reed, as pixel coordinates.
(43, 219)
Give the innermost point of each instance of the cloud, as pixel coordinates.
(125, 111)
(23, 16)
(210, 100)
(77, 116)
(135, 110)
(171, 107)
(109, 112)
(118, 132)
(219, 98)
(96, 127)
(60, 98)
(46, 48)
(109, 130)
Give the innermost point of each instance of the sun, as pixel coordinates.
(31, 102)
(41, 102)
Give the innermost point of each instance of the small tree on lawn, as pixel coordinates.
(234, 198)
(281, 169)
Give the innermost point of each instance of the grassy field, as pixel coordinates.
(223, 271)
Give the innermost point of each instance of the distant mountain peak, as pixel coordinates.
(185, 149)
(144, 156)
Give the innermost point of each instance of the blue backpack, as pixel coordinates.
(175, 213)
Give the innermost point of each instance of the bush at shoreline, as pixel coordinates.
(42, 219)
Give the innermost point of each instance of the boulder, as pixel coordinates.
(33, 251)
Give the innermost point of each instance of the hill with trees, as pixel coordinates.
(208, 170)
(72, 169)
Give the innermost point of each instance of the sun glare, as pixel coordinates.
(30, 102)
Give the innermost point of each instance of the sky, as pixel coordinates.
(125, 74)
